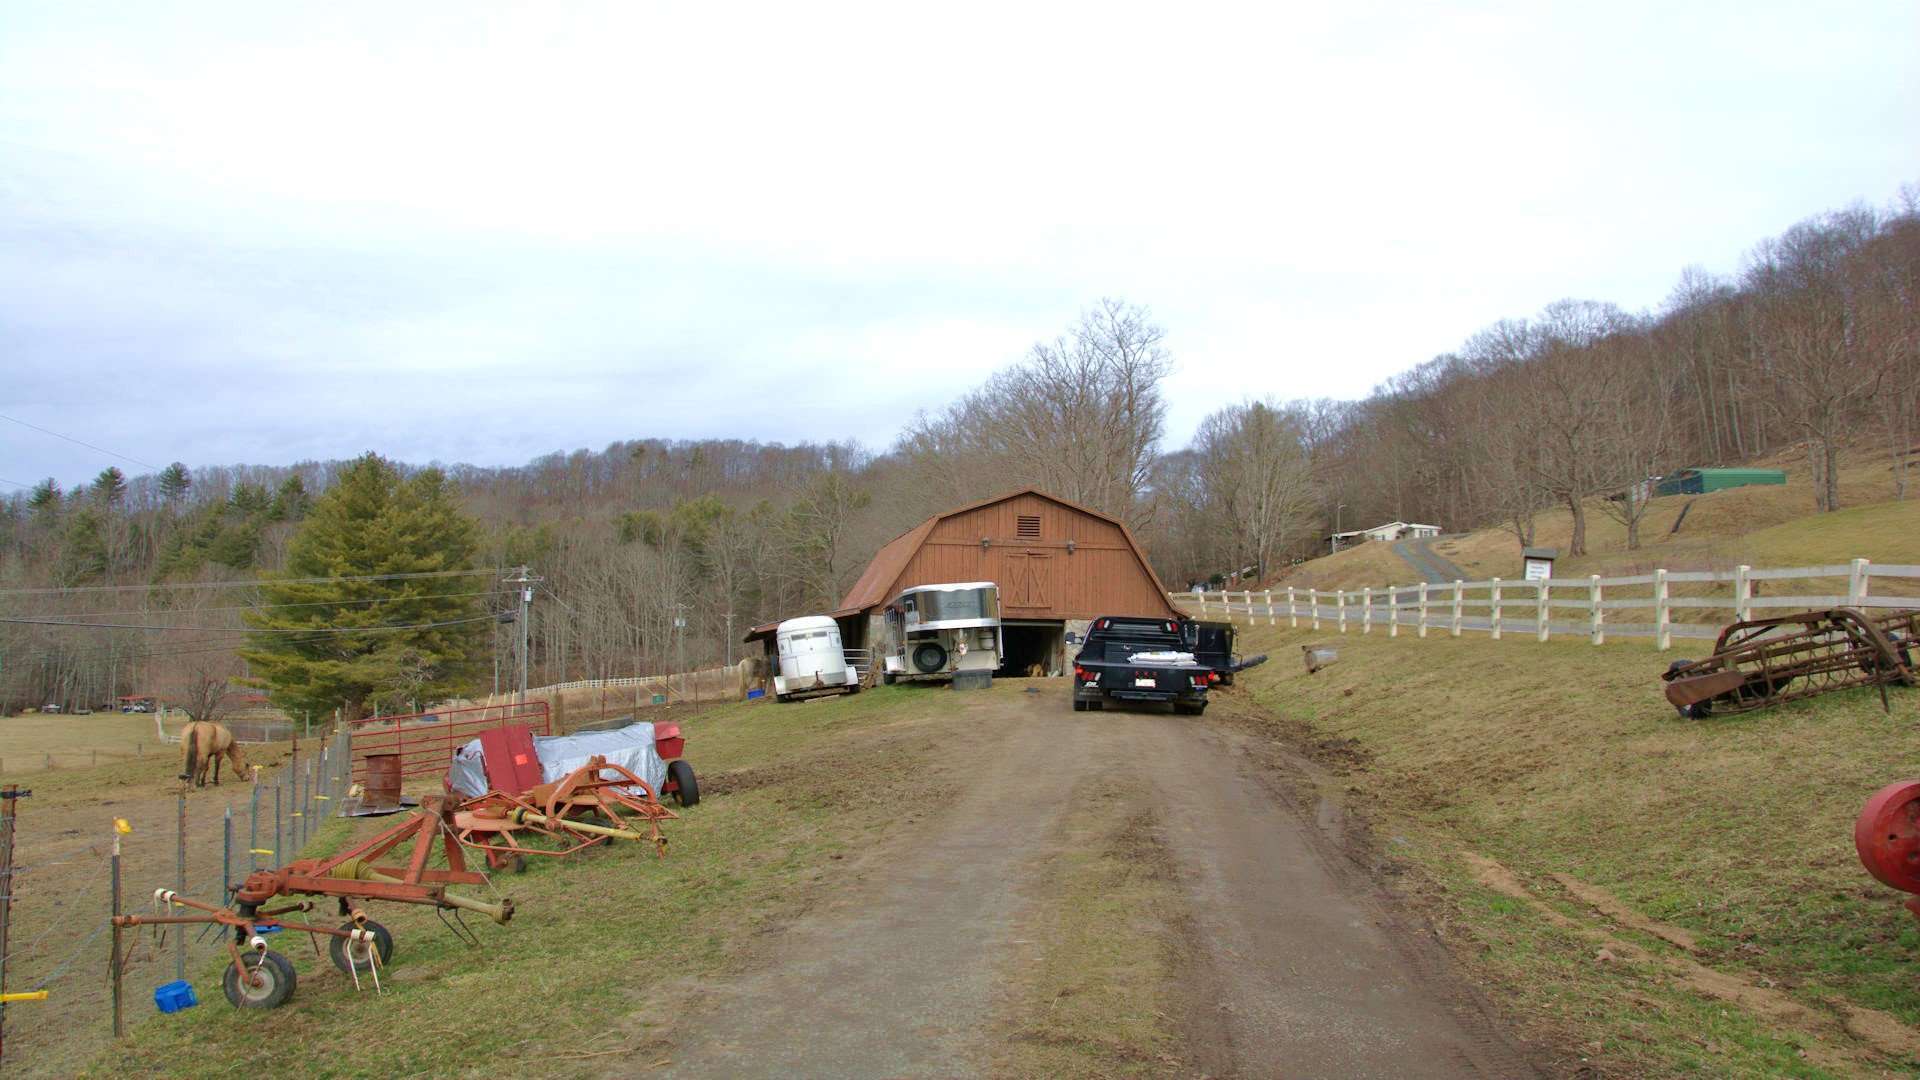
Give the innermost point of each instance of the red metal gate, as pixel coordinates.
(425, 742)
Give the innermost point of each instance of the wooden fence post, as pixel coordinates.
(1458, 586)
(1494, 609)
(1662, 614)
(1366, 611)
(1742, 593)
(1543, 600)
(1247, 595)
(1858, 582)
(1423, 609)
(1293, 613)
(1340, 599)
(1271, 619)
(1596, 617)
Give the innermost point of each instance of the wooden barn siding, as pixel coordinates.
(1101, 577)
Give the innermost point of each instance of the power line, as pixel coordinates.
(254, 584)
(77, 442)
(271, 607)
(16, 483)
(246, 630)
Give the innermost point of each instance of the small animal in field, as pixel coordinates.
(204, 743)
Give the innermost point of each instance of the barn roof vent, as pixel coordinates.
(1028, 527)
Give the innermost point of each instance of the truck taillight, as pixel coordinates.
(1213, 676)
(1080, 673)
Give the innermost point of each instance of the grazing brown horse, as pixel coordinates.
(204, 743)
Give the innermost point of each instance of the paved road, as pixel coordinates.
(1432, 568)
(1306, 966)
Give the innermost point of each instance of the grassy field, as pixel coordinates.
(605, 947)
(1563, 759)
(71, 739)
(1757, 526)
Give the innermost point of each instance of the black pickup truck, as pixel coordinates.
(1131, 659)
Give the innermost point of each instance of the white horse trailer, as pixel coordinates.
(811, 658)
(942, 631)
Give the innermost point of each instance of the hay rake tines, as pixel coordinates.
(1761, 662)
(506, 826)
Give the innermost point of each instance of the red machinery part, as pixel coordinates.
(1887, 835)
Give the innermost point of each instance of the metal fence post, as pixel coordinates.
(226, 853)
(1494, 600)
(1662, 614)
(1423, 609)
(180, 881)
(1458, 585)
(1544, 601)
(279, 852)
(253, 832)
(115, 971)
(9, 810)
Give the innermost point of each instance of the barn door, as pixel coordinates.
(1030, 584)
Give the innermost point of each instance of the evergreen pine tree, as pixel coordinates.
(45, 498)
(110, 487)
(372, 522)
(174, 482)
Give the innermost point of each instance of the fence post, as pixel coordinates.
(1857, 583)
(180, 880)
(1271, 620)
(1393, 611)
(1340, 603)
(1293, 613)
(1247, 596)
(1494, 609)
(279, 851)
(1313, 607)
(1596, 615)
(1544, 600)
(1423, 609)
(1742, 593)
(1458, 586)
(1662, 614)
(118, 1028)
(1366, 610)
(226, 851)
(1201, 595)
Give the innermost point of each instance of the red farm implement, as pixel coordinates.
(260, 978)
(597, 803)
(1764, 662)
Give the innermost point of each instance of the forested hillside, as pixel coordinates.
(1813, 345)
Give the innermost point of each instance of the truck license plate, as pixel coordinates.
(1144, 682)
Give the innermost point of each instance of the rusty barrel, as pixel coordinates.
(382, 788)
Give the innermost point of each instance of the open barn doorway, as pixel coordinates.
(1031, 644)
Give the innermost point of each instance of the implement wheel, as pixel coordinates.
(269, 981)
(1887, 835)
(338, 948)
(686, 792)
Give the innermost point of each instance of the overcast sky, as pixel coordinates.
(478, 232)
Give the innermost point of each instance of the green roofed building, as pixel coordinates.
(1701, 481)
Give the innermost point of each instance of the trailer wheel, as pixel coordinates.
(929, 657)
(362, 953)
(269, 984)
(681, 774)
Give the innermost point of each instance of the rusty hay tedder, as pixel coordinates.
(1762, 662)
(597, 803)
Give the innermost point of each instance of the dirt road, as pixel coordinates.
(1294, 964)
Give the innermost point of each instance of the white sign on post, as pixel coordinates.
(1539, 569)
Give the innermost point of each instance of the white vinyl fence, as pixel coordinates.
(1638, 605)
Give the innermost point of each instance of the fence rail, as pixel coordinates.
(1538, 608)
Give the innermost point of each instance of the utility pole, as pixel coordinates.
(729, 639)
(524, 578)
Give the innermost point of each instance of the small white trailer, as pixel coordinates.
(811, 659)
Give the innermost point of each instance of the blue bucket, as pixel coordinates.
(174, 996)
(756, 693)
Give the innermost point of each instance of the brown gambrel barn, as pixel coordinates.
(1058, 566)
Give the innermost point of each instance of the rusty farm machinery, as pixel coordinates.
(1762, 662)
(595, 803)
(259, 978)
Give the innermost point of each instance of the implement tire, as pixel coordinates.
(275, 981)
(686, 793)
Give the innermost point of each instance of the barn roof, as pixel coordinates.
(871, 589)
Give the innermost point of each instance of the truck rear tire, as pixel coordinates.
(1079, 706)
